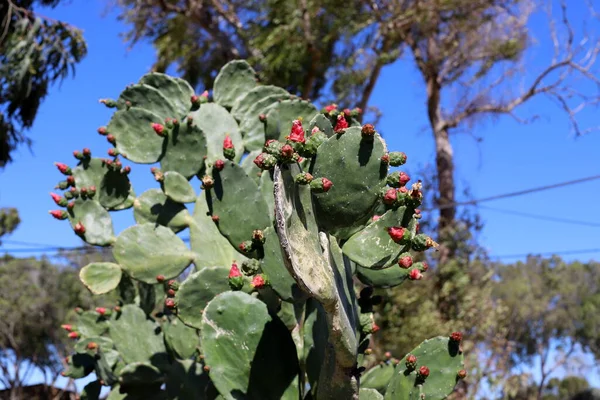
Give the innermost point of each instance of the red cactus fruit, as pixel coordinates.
(456, 336)
(63, 168)
(462, 374)
(385, 159)
(327, 184)
(390, 197)
(234, 271)
(171, 293)
(219, 165)
(405, 261)
(159, 129)
(102, 131)
(375, 218)
(262, 117)
(227, 143)
(59, 200)
(425, 266)
(67, 327)
(411, 361)
(258, 281)
(287, 151)
(398, 233)
(415, 275)
(368, 130)
(170, 303)
(387, 354)
(330, 108)
(73, 335)
(297, 132)
(423, 372)
(113, 152)
(160, 278)
(101, 310)
(215, 218)
(77, 154)
(117, 309)
(375, 328)
(403, 179)
(341, 124)
(79, 228)
(92, 345)
(111, 139)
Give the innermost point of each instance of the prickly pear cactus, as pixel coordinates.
(296, 220)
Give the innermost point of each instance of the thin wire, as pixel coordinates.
(548, 253)
(543, 217)
(513, 194)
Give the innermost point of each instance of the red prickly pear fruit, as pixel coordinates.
(368, 131)
(320, 185)
(375, 328)
(207, 182)
(258, 282)
(258, 237)
(347, 112)
(341, 124)
(415, 275)
(189, 120)
(101, 310)
(235, 278)
(397, 158)
(357, 111)
(219, 165)
(111, 139)
(387, 354)
(113, 152)
(160, 278)
(215, 218)
(425, 266)
(411, 361)
(91, 191)
(92, 346)
(327, 184)
(59, 200)
(102, 131)
(375, 218)
(297, 132)
(246, 247)
(159, 129)
(462, 374)
(59, 214)
(63, 168)
(265, 161)
(87, 152)
(77, 154)
(287, 151)
(399, 234)
(330, 108)
(262, 117)
(117, 309)
(456, 337)
(303, 178)
(195, 99)
(272, 147)
(385, 159)
(390, 197)
(79, 228)
(405, 261)
(206, 368)
(171, 293)
(73, 335)
(403, 178)
(71, 180)
(423, 372)
(170, 303)
(173, 284)
(204, 96)
(67, 327)
(228, 148)
(126, 170)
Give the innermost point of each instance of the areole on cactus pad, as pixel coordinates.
(296, 221)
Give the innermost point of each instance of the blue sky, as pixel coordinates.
(510, 157)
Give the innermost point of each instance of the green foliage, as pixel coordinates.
(35, 53)
(273, 294)
(9, 220)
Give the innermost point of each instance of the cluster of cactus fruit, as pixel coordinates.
(297, 222)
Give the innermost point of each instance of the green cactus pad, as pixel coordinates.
(114, 189)
(235, 198)
(197, 290)
(316, 336)
(250, 168)
(234, 80)
(137, 338)
(272, 265)
(181, 340)
(187, 381)
(216, 122)
(204, 234)
(280, 117)
(90, 324)
(127, 204)
(372, 247)
(91, 391)
(252, 128)
(140, 373)
(299, 235)
(323, 123)
(378, 378)
(153, 206)
(185, 150)
(101, 277)
(79, 366)
(178, 91)
(151, 99)
(102, 341)
(245, 103)
(115, 393)
(369, 394)
(242, 344)
(443, 359)
(135, 138)
(96, 220)
(355, 168)
(178, 188)
(382, 278)
(265, 185)
(145, 251)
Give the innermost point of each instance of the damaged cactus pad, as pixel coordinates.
(251, 268)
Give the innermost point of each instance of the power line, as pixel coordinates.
(548, 253)
(513, 194)
(542, 217)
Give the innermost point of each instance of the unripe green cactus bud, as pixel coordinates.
(228, 149)
(110, 103)
(169, 123)
(272, 147)
(78, 310)
(68, 195)
(265, 161)
(77, 154)
(303, 178)
(320, 185)
(411, 362)
(63, 168)
(422, 242)
(397, 158)
(59, 214)
(62, 185)
(91, 191)
(246, 246)
(314, 141)
(59, 200)
(236, 280)
(251, 267)
(368, 351)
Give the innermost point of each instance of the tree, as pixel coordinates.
(35, 51)
(467, 52)
(9, 220)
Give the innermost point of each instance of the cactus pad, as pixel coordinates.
(181, 340)
(101, 277)
(216, 123)
(96, 220)
(178, 91)
(177, 188)
(153, 206)
(234, 80)
(185, 150)
(149, 98)
(245, 103)
(135, 138)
